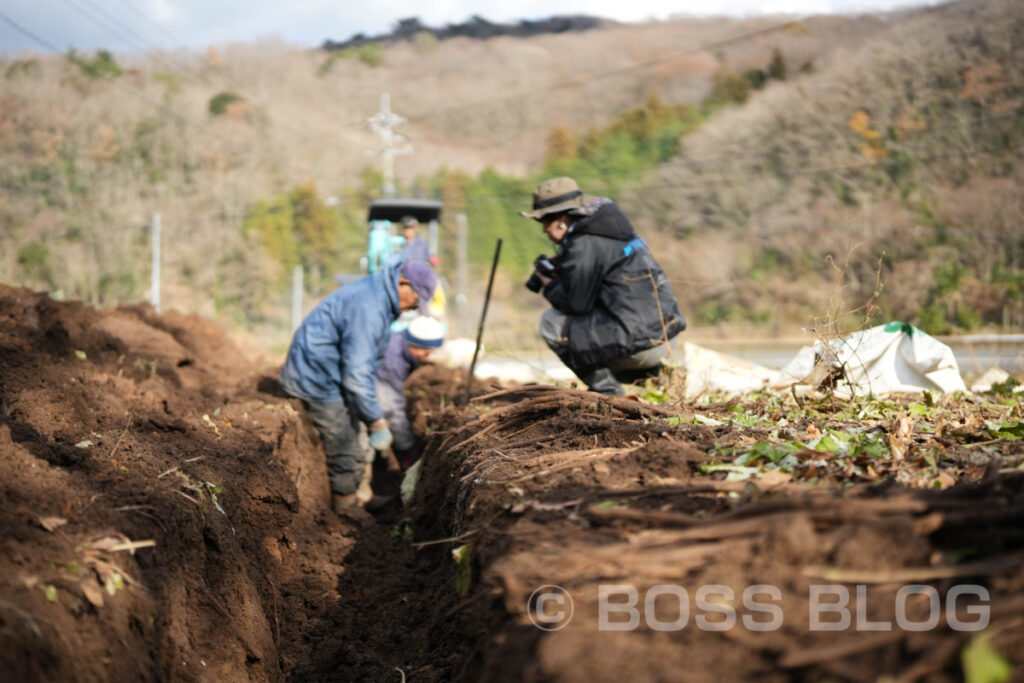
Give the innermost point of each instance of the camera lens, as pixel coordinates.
(534, 283)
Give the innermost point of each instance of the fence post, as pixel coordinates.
(154, 290)
(462, 273)
(296, 297)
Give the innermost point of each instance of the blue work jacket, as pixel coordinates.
(335, 352)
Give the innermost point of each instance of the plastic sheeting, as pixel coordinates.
(711, 372)
(896, 357)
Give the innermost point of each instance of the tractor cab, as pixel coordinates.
(384, 238)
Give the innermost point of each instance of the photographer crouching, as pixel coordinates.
(613, 313)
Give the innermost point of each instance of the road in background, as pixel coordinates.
(974, 355)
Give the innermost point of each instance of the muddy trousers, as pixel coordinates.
(602, 379)
(345, 443)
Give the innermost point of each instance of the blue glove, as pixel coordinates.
(381, 441)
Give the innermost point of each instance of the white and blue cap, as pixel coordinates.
(425, 332)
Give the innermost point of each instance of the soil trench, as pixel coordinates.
(166, 517)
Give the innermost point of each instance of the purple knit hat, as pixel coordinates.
(422, 278)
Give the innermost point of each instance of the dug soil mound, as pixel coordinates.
(601, 539)
(165, 517)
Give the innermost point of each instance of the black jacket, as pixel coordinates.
(605, 282)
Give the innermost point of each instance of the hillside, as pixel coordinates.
(898, 162)
(92, 148)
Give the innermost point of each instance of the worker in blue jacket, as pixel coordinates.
(334, 356)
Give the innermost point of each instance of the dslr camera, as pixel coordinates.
(543, 265)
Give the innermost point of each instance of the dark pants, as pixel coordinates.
(344, 442)
(602, 379)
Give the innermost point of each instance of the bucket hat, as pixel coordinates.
(555, 195)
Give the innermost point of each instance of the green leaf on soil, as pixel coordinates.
(50, 591)
(918, 409)
(827, 444)
(982, 663)
(113, 583)
(840, 436)
(80, 354)
(654, 396)
(673, 421)
(772, 452)
(464, 580)
(745, 420)
(1005, 387)
(1009, 431)
(401, 531)
(873, 448)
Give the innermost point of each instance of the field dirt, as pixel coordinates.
(165, 515)
(562, 487)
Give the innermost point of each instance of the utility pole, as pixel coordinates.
(392, 143)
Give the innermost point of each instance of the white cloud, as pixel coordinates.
(162, 12)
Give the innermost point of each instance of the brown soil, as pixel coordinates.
(556, 486)
(124, 426)
(165, 516)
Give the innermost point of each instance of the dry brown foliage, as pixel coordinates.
(88, 162)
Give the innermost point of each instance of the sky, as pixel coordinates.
(144, 25)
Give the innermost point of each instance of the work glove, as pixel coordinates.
(380, 435)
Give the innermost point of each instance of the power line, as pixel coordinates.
(134, 9)
(102, 23)
(136, 93)
(92, 70)
(140, 42)
(571, 83)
